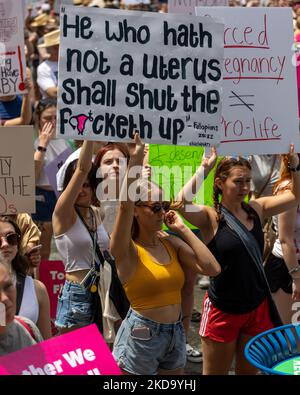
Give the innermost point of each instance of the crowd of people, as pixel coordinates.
(109, 230)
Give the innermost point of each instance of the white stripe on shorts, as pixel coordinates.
(205, 314)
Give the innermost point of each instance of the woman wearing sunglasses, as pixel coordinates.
(238, 303)
(151, 339)
(34, 302)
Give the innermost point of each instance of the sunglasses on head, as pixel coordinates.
(156, 207)
(12, 239)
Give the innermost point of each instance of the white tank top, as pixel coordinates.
(29, 305)
(76, 246)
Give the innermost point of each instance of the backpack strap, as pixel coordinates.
(20, 290)
(26, 326)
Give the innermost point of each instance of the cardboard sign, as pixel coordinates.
(17, 178)
(125, 71)
(260, 103)
(12, 56)
(188, 6)
(80, 352)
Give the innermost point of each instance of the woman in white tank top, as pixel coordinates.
(77, 227)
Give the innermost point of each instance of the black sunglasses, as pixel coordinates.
(12, 239)
(157, 206)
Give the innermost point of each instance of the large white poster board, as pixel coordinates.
(12, 57)
(188, 6)
(121, 71)
(260, 103)
(17, 179)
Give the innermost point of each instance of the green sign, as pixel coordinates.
(289, 366)
(173, 167)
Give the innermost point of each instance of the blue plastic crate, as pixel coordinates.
(276, 351)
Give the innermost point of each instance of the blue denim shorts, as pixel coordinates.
(75, 306)
(164, 348)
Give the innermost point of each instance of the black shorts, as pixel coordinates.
(278, 275)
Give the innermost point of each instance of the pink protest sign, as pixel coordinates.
(52, 274)
(80, 352)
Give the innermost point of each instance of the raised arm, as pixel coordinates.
(191, 188)
(273, 205)
(46, 134)
(193, 213)
(64, 214)
(26, 109)
(286, 227)
(121, 244)
(191, 250)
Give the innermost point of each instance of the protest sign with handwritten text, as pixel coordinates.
(260, 103)
(12, 57)
(120, 72)
(17, 178)
(80, 352)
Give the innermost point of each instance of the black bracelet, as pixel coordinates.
(42, 149)
(294, 168)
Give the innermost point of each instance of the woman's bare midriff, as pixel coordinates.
(165, 314)
(77, 276)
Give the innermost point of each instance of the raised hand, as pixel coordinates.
(293, 158)
(174, 222)
(209, 161)
(137, 155)
(46, 134)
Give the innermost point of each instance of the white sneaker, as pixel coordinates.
(204, 282)
(193, 355)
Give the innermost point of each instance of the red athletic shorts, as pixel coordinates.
(223, 327)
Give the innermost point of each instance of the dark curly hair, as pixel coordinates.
(222, 172)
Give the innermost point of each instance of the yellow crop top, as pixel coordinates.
(155, 285)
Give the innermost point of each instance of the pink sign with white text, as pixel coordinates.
(80, 352)
(52, 274)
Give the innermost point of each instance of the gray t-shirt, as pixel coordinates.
(17, 336)
(262, 166)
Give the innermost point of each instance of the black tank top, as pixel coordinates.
(239, 288)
